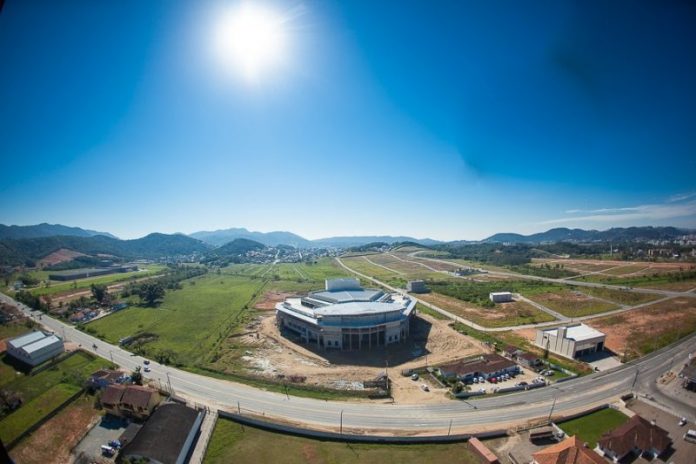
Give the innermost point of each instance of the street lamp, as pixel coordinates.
(341, 426)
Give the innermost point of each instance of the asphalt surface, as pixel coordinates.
(494, 413)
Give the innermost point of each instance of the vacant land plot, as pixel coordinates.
(639, 332)
(190, 321)
(52, 442)
(573, 304)
(619, 296)
(592, 426)
(232, 442)
(502, 315)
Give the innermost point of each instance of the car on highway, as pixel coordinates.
(682, 422)
(147, 369)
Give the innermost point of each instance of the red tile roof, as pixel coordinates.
(569, 451)
(112, 395)
(636, 433)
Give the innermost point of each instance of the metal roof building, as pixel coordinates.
(36, 347)
(571, 341)
(347, 316)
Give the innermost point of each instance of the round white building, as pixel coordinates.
(346, 316)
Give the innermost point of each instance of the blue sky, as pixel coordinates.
(452, 120)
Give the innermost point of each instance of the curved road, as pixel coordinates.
(494, 413)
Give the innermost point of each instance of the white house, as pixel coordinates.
(571, 341)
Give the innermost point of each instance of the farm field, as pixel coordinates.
(43, 392)
(639, 332)
(51, 443)
(572, 303)
(591, 427)
(81, 284)
(502, 315)
(231, 442)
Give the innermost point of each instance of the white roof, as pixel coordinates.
(26, 339)
(36, 346)
(357, 308)
(578, 332)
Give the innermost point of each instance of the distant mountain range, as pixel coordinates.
(27, 244)
(617, 234)
(46, 230)
(220, 237)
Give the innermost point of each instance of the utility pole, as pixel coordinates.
(552, 407)
(341, 426)
(111, 353)
(169, 381)
(450, 428)
(635, 379)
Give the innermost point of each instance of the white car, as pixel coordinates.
(147, 369)
(682, 422)
(425, 388)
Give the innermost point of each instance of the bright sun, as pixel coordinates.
(250, 40)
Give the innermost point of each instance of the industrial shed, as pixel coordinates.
(34, 348)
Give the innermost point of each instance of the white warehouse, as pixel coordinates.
(34, 348)
(571, 341)
(346, 316)
(500, 297)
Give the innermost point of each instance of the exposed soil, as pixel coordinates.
(54, 440)
(269, 300)
(268, 353)
(59, 256)
(627, 330)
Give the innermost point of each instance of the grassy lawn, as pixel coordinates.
(573, 304)
(31, 412)
(592, 426)
(72, 370)
(625, 297)
(66, 287)
(685, 279)
(232, 442)
(12, 330)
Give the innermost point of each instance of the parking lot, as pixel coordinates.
(110, 428)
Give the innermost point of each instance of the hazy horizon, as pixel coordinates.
(451, 123)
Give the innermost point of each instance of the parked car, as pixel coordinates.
(147, 369)
(682, 422)
(414, 376)
(425, 388)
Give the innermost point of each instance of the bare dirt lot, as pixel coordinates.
(616, 268)
(643, 330)
(54, 440)
(270, 354)
(269, 300)
(573, 304)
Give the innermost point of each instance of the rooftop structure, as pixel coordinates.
(347, 316)
(571, 341)
(130, 400)
(167, 437)
(416, 286)
(638, 436)
(488, 365)
(34, 348)
(569, 451)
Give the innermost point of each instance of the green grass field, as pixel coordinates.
(232, 442)
(43, 392)
(31, 412)
(66, 287)
(625, 297)
(571, 304)
(591, 427)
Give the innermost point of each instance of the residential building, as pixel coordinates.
(529, 360)
(346, 316)
(416, 286)
(134, 401)
(486, 366)
(500, 297)
(167, 437)
(636, 436)
(569, 451)
(36, 347)
(688, 375)
(571, 341)
(102, 378)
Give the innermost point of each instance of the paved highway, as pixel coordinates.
(382, 418)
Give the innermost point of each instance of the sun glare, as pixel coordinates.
(250, 40)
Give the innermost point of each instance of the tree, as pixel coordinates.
(151, 292)
(99, 292)
(137, 376)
